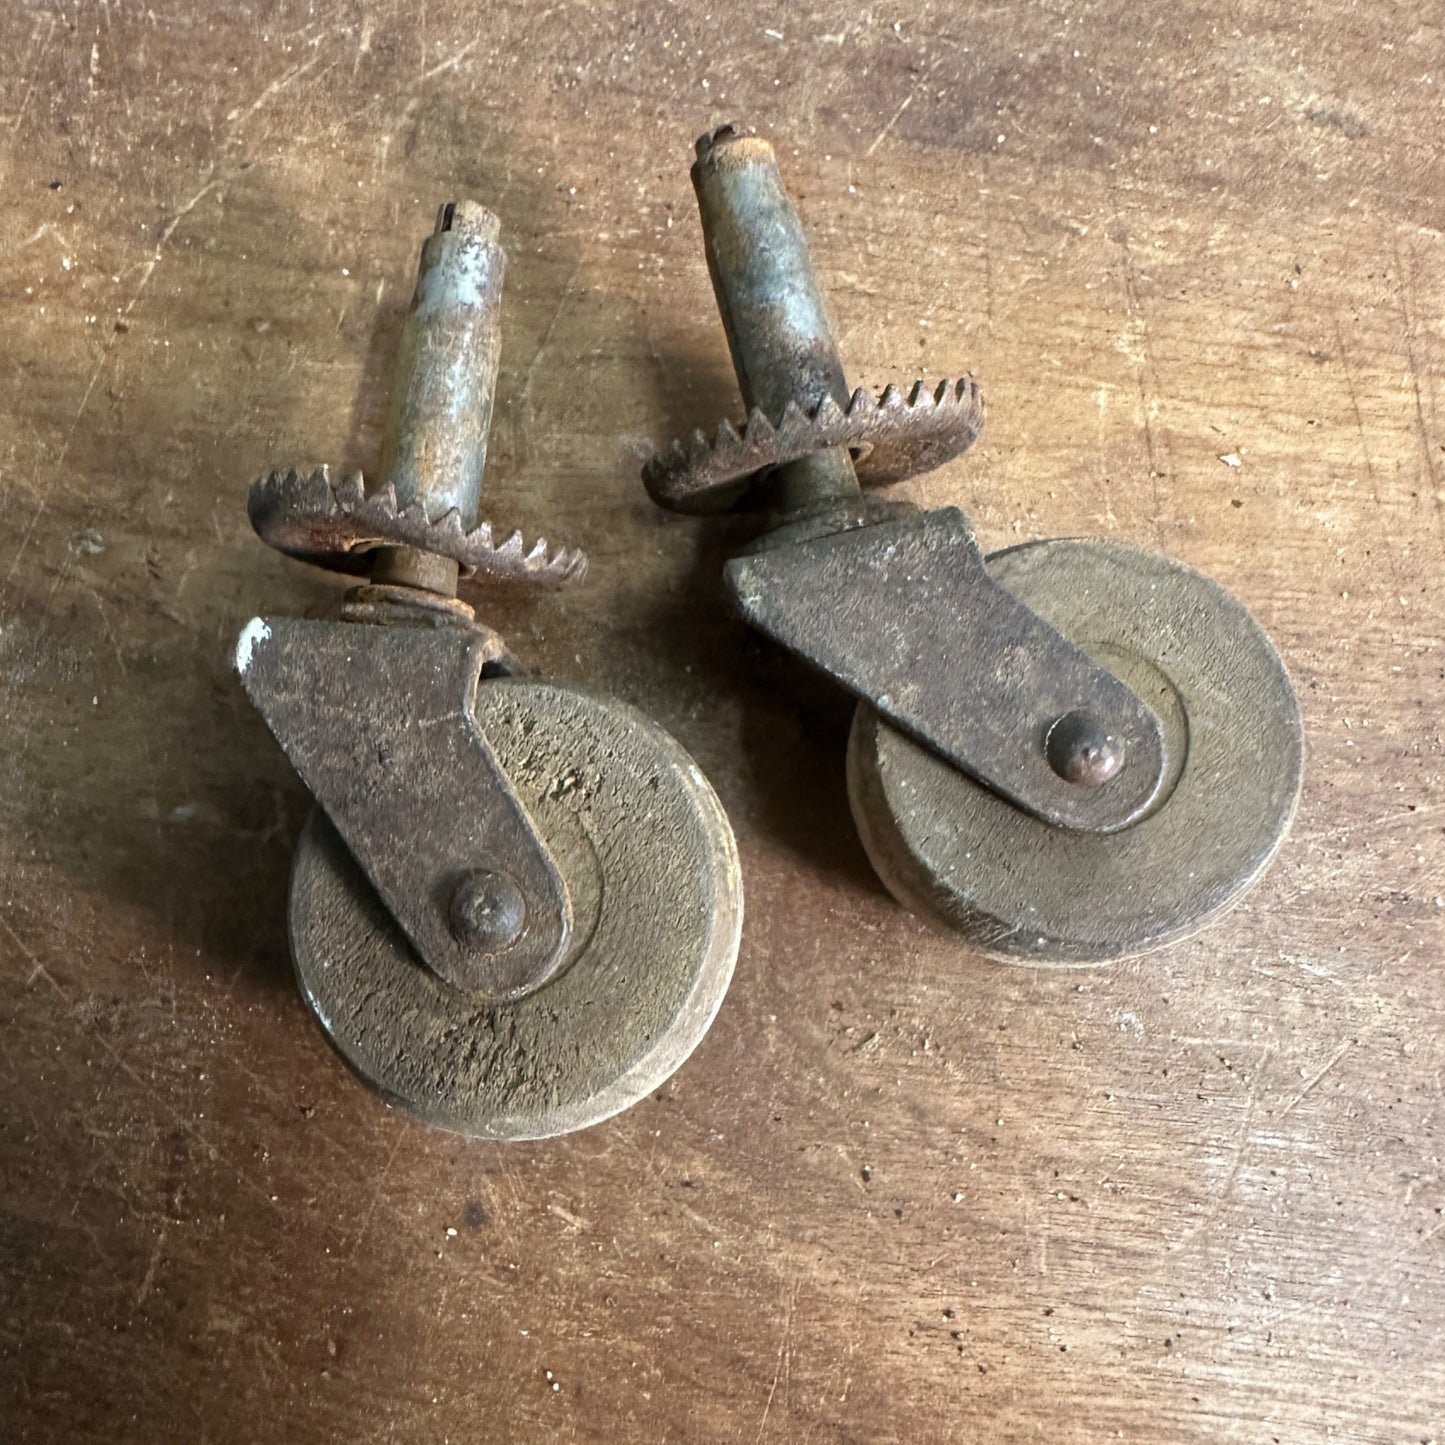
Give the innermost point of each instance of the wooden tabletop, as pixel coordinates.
(1194, 255)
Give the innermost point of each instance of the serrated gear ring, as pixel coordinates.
(335, 525)
(892, 436)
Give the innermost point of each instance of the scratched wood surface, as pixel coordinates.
(1194, 253)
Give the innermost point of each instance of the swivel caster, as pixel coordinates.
(516, 907)
(1067, 752)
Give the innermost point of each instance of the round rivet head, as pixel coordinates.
(1081, 750)
(487, 911)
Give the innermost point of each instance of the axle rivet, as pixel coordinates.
(487, 911)
(1081, 750)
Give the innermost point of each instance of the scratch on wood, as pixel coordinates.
(574, 1221)
(1241, 1147)
(107, 352)
(39, 970)
(1418, 1244)
(31, 60)
(150, 1274)
(1333, 1059)
(784, 1360)
(1146, 376)
(897, 115)
(449, 64)
(238, 118)
(1432, 475)
(370, 1211)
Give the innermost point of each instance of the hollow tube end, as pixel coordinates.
(469, 218)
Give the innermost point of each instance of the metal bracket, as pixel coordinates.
(905, 614)
(379, 724)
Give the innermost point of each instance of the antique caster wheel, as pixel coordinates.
(1076, 753)
(516, 907)
(651, 868)
(1024, 890)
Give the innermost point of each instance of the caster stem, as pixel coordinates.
(435, 448)
(772, 307)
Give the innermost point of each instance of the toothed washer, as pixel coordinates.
(1068, 753)
(516, 906)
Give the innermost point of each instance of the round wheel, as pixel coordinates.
(650, 862)
(1022, 890)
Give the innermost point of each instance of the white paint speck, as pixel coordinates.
(255, 631)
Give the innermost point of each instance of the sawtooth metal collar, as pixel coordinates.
(892, 436)
(335, 524)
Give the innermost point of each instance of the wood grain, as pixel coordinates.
(1194, 254)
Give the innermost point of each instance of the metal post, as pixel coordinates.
(435, 448)
(772, 308)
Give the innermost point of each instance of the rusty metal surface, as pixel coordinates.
(772, 307)
(890, 436)
(434, 450)
(1024, 891)
(418, 527)
(339, 526)
(805, 435)
(906, 616)
(378, 721)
